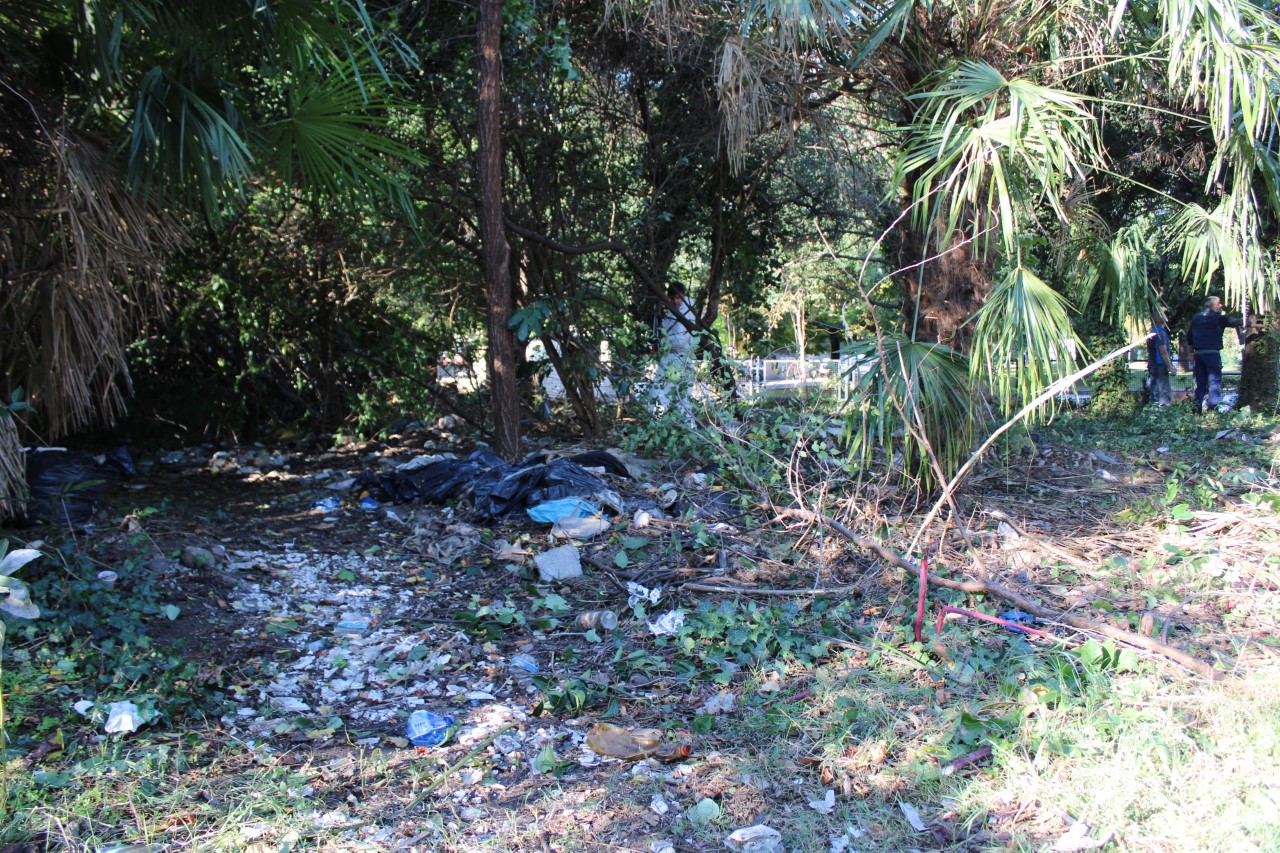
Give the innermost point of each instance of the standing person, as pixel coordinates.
(1206, 347)
(1159, 361)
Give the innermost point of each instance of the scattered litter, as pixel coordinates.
(1107, 475)
(351, 626)
(659, 805)
(328, 504)
(1020, 618)
(637, 593)
(505, 552)
(426, 729)
(616, 742)
(82, 707)
(368, 504)
(553, 511)
(66, 485)
(523, 667)
(826, 805)
(721, 703)
(755, 839)
(703, 813)
(124, 717)
(912, 815)
(641, 519)
(592, 619)
(580, 528)
(559, 564)
(108, 578)
(668, 623)
(1077, 838)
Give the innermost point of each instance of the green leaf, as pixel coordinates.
(545, 761)
(171, 611)
(621, 560)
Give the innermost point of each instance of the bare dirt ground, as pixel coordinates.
(324, 627)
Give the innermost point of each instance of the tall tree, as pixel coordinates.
(493, 240)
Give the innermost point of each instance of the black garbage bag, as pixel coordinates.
(531, 483)
(66, 485)
(496, 487)
(602, 459)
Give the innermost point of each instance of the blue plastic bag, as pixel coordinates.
(550, 512)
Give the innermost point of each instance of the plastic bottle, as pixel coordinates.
(523, 668)
(427, 729)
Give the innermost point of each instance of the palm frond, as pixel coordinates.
(333, 142)
(915, 400)
(1118, 270)
(995, 144)
(87, 259)
(1024, 340)
(13, 474)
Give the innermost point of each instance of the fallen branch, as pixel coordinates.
(1019, 601)
(965, 760)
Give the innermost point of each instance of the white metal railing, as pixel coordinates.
(787, 373)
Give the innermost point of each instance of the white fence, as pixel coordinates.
(789, 375)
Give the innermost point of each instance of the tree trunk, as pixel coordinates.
(947, 289)
(493, 249)
(1260, 370)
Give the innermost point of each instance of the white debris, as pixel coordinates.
(755, 839)
(558, 564)
(826, 805)
(666, 624)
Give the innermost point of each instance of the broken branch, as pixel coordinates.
(1021, 602)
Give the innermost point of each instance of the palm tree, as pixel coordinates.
(1012, 200)
(129, 121)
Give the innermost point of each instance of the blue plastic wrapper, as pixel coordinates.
(327, 504)
(1017, 616)
(368, 504)
(552, 511)
(428, 729)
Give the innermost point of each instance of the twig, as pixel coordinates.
(965, 760)
(986, 617)
(1021, 602)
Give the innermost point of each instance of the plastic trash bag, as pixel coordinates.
(66, 485)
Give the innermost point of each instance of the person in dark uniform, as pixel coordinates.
(1159, 361)
(1206, 347)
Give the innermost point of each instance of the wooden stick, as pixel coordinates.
(1021, 602)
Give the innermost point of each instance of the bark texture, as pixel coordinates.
(494, 252)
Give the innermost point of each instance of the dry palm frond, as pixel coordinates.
(744, 100)
(83, 265)
(13, 480)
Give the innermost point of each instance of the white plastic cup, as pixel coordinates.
(108, 578)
